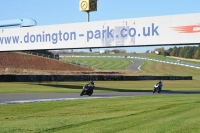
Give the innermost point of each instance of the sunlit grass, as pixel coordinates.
(101, 86)
(169, 69)
(140, 114)
(150, 114)
(101, 63)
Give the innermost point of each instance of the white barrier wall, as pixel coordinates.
(159, 30)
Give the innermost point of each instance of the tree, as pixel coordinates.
(188, 52)
(116, 51)
(107, 51)
(181, 53)
(177, 51)
(122, 51)
(197, 54)
(170, 50)
(191, 52)
(173, 53)
(167, 53)
(164, 53)
(162, 49)
(147, 51)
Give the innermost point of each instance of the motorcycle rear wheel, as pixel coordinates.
(154, 91)
(90, 94)
(81, 94)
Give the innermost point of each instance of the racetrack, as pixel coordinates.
(33, 97)
(135, 66)
(22, 98)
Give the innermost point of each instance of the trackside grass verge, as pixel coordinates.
(163, 69)
(101, 63)
(144, 114)
(150, 67)
(101, 86)
(170, 58)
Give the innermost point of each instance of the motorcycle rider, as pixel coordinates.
(158, 87)
(91, 84)
(160, 84)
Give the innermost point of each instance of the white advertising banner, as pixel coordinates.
(159, 30)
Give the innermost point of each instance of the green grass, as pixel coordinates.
(164, 69)
(161, 57)
(117, 54)
(149, 55)
(142, 114)
(152, 68)
(101, 86)
(101, 63)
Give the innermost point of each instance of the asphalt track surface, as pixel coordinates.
(65, 96)
(135, 66)
(17, 97)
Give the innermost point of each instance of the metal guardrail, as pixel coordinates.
(171, 62)
(80, 64)
(43, 55)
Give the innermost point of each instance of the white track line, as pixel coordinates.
(55, 99)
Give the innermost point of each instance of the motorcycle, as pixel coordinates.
(157, 88)
(87, 90)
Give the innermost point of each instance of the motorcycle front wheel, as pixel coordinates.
(82, 93)
(154, 90)
(90, 94)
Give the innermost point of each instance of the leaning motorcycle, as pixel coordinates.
(87, 90)
(157, 88)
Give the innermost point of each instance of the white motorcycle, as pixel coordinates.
(157, 88)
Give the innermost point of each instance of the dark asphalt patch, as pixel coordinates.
(136, 65)
(40, 97)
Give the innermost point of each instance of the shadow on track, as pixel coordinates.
(119, 90)
(96, 88)
(180, 92)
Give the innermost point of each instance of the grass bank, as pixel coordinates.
(163, 69)
(101, 86)
(101, 63)
(152, 114)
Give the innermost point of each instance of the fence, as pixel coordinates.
(56, 56)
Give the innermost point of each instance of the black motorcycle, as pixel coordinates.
(157, 88)
(87, 90)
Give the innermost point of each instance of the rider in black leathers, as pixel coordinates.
(91, 83)
(161, 84)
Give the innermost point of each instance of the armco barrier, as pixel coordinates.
(39, 78)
